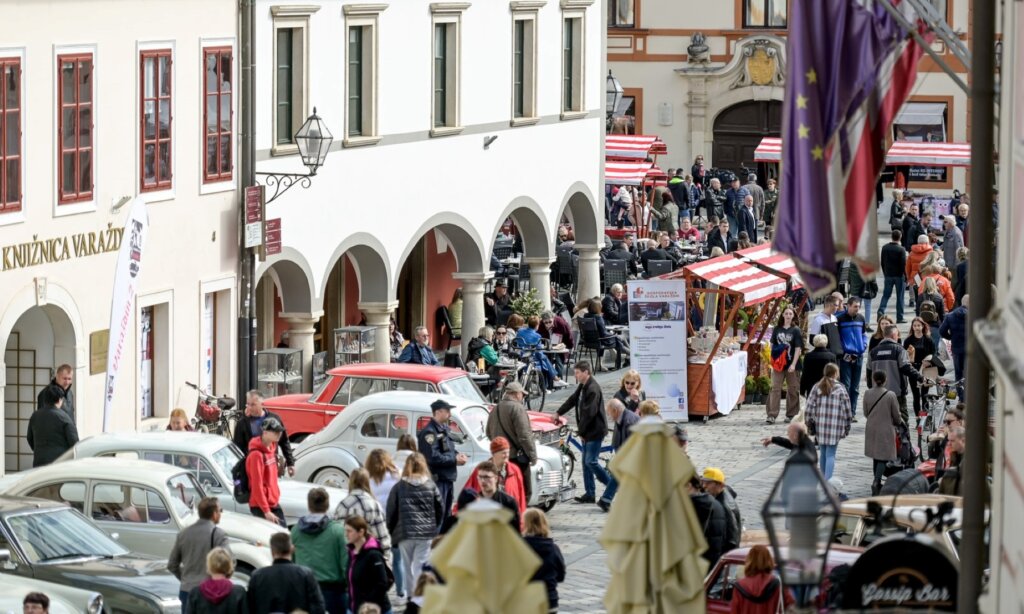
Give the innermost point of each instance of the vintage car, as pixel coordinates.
(209, 458)
(51, 542)
(718, 584)
(305, 414)
(63, 599)
(145, 504)
(377, 421)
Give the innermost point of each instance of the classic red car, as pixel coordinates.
(305, 414)
(718, 585)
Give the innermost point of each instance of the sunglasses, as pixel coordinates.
(632, 383)
(948, 422)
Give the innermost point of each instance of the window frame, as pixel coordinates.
(296, 18)
(366, 17)
(12, 207)
(448, 15)
(156, 53)
(524, 14)
(626, 26)
(575, 108)
(217, 178)
(80, 198)
(766, 5)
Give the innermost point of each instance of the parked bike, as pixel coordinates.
(522, 368)
(217, 415)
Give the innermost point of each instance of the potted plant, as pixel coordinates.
(764, 386)
(527, 304)
(751, 387)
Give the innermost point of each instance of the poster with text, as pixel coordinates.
(657, 342)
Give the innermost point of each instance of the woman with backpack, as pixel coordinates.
(759, 591)
(931, 307)
(368, 578)
(919, 345)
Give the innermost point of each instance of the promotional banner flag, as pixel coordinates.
(126, 284)
(657, 341)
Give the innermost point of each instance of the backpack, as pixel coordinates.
(928, 312)
(240, 477)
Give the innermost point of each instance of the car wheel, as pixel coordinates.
(535, 392)
(242, 574)
(331, 476)
(546, 507)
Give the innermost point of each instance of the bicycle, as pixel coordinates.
(526, 373)
(604, 456)
(217, 415)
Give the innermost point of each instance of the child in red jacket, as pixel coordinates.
(261, 467)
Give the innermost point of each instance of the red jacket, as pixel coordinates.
(755, 586)
(513, 487)
(918, 252)
(262, 470)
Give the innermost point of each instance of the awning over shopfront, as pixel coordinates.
(768, 258)
(921, 114)
(633, 146)
(618, 172)
(736, 274)
(910, 153)
(770, 150)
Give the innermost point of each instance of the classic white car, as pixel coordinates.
(63, 599)
(143, 505)
(207, 457)
(377, 421)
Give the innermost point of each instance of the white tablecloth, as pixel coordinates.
(728, 377)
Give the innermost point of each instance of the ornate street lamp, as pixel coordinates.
(613, 94)
(801, 504)
(314, 141)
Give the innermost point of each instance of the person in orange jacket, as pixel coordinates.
(510, 477)
(261, 467)
(918, 252)
(942, 282)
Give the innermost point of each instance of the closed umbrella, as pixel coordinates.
(652, 536)
(486, 567)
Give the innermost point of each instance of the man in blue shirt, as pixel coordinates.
(418, 351)
(733, 202)
(855, 343)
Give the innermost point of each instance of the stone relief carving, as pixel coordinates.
(698, 52)
(762, 64)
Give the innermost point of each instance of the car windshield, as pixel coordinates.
(184, 492)
(475, 420)
(319, 389)
(463, 387)
(52, 535)
(226, 458)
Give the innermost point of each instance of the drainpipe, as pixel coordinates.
(247, 177)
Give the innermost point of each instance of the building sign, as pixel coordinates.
(98, 342)
(657, 339)
(57, 249)
(907, 572)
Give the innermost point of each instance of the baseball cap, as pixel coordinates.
(273, 425)
(440, 404)
(515, 387)
(713, 474)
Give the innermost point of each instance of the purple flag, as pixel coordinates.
(834, 50)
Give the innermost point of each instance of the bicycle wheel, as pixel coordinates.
(535, 392)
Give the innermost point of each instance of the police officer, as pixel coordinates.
(437, 446)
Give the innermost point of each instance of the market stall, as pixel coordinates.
(633, 147)
(716, 356)
(769, 150)
(642, 174)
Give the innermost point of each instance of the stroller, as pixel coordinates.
(906, 455)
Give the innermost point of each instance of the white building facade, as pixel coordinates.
(449, 118)
(721, 99)
(102, 101)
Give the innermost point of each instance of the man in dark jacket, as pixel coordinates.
(746, 220)
(912, 228)
(588, 401)
(714, 200)
(619, 251)
(889, 356)
(284, 586)
(188, 556)
(654, 252)
(63, 378)
(510, 420)
(487, 474)
(814, 363)
(251, 425)
(623, 420)
(711, 516)
(438, 448)
(613, 305)
(954, 328)
(719, 237)
(894, 266)
(713, 481)
(50, 430)
(733, 203)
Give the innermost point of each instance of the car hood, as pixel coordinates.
(295, 493)
(132, 573)
(542, 422)
(248, 528)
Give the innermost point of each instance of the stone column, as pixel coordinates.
(540, 278)
(589, 272)
(300, 336)
(472, 304)
(378, 315)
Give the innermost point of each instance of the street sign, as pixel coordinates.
(273, 236)
(254, 216)
(254, 234)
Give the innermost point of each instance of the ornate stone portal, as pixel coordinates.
(762, 65)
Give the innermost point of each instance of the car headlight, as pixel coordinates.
(95, 604)
(170, 606)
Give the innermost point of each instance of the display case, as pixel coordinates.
(353, 344)
(279, 371)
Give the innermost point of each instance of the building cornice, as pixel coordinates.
(576, 4)
(294, 10)
(449, 7)
(364, 9)
(527, 5)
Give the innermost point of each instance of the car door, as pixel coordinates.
(719, 592)
(137, 514)
(379, 429)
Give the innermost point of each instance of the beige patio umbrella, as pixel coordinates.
(652, 535)
(486, 567)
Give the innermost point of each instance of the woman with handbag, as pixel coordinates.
(829, 416)
(882, 410)
(787, 343)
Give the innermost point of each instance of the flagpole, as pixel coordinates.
(974, 479)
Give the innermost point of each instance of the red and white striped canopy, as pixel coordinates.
(770, 150)
(756, 285)
(633, 146)
(770, 259)
(909, 153)
(619, 172)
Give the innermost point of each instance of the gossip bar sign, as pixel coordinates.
(46, 251)
(911, 573)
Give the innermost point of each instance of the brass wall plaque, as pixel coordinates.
(761, 67)
(98, 342)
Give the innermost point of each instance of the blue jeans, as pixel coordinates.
(892, 283)
(827, 459)
(849, 375)
(734, 226)
(866, 309)
(396, 567)
(959, 362)
(610, 489)
(183, 596)
(592, 467)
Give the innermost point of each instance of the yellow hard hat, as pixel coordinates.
(713, 474)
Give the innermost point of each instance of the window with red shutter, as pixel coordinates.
(10, 135)
(75, 123)
(155, 113)
(218, 163)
